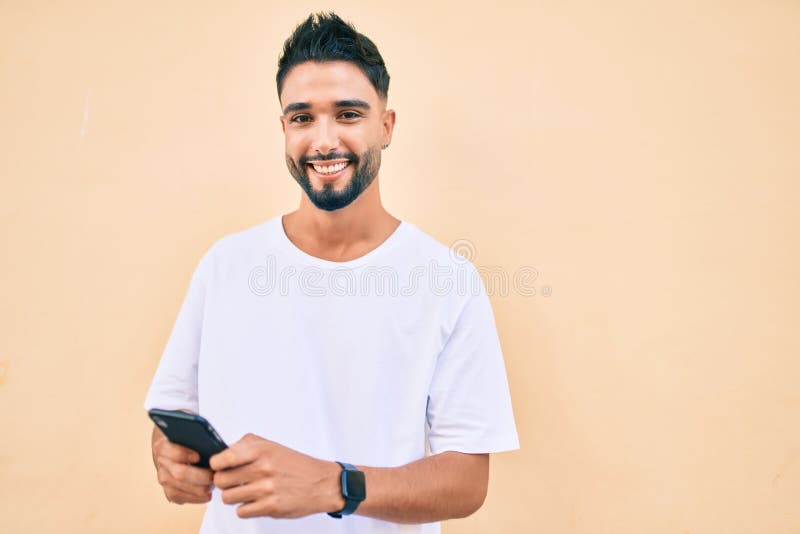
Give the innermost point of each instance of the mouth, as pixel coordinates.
(328, 171)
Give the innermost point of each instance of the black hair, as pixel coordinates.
(326, 37)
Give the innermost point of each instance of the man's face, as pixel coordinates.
(335, 125)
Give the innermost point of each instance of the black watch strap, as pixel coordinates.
(353, 490)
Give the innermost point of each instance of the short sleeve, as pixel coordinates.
(469, 403)
(174, 386)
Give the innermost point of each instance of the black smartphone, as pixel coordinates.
(189, 430)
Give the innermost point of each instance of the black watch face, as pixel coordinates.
(356, 487)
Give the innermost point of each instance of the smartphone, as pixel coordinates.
(189, 430)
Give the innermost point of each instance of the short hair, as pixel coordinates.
(326, 37)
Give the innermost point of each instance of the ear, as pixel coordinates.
(387, 125)
(283, 123)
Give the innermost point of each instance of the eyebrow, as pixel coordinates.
(297, 106)
(352, 104)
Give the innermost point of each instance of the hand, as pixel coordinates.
(182, 482)
(268, 479)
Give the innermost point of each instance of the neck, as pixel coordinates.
(341, 234)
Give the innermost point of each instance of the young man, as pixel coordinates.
(297, 342)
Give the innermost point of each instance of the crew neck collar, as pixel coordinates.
(370, 257)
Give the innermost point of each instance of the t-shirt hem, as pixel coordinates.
(482, 448)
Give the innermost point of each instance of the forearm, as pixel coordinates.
(270, 479)
(443, 486)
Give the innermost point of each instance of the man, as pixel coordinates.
(291, 345)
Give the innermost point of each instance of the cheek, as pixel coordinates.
(359, 140)
(295, 146)
(375, 135)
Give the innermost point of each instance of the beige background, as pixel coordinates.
(641, 156)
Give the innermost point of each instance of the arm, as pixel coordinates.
(448, 485)
(268, 479)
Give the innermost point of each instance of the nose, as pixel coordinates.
(325, 138)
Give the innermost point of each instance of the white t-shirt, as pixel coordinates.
(374, 361)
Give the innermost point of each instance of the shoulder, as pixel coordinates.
(456, 255)
(446, 272)
(239, 246)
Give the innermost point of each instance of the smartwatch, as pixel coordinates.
(354, 490)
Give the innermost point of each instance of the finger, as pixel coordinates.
(171, 484)
(178, 496)
(238, 454)
(191, 474)
(184, 476)
(233, 477)
(243, 452)
(240, 494)
(255, 509)
(178, 453)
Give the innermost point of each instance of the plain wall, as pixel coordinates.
(641, 156)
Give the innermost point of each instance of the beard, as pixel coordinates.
(365, 170)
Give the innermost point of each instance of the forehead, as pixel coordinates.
(320, 83)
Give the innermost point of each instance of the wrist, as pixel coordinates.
(334, 500)
(353, 488)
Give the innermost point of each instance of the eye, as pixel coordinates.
(300, 118)
(350, 115)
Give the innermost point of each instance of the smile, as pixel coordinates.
(329, 170)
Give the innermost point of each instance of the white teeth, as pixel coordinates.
(330, 169)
